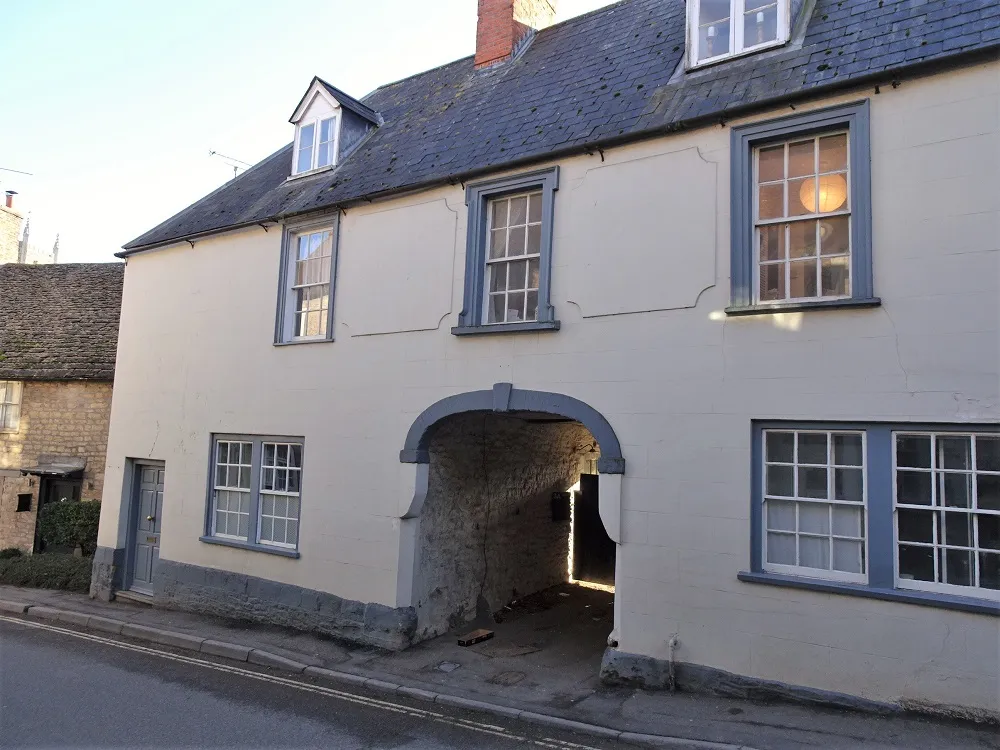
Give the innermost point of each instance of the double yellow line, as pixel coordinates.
(375, 703)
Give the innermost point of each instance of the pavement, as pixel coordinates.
(540, 669)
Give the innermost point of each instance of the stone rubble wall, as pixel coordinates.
(486, 531)
(57, 419)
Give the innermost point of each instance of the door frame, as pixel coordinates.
(133, 472)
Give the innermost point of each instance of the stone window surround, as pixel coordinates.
(255, 494)
(284, 319)
(477, 196)
(880, 518)
(855, 119)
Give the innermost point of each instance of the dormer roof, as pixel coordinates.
(321, 87)
(598, 80)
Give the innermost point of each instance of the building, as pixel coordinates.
(15, 237)
(58, 338)
(10, 229)
(745, 272)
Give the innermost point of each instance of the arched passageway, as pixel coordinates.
(509, 504)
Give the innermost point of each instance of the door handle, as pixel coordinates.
(150, 518)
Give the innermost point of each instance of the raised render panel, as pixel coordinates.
(641, 234)
(397, 267)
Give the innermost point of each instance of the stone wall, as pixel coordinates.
(243, 597)
(66, 419)
(486, 531)
(10, 232)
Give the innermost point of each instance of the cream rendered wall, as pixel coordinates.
(640, 279)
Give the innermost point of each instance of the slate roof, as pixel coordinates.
(595, 80)
(59, 322)
(347, 102)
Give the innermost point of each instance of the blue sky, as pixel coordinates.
(114, 105)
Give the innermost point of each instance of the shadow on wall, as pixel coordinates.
(488, 534)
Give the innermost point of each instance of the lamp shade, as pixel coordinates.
(832, 193)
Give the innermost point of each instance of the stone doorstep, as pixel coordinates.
(265, 658)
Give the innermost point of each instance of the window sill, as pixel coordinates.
(280, 551)
(303, 342)
(311, 172)
(826, 304)
(942, 601)
(756, 49)
(533, 327)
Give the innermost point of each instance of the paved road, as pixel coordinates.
(66, 690)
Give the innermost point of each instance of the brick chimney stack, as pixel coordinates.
(505, 24)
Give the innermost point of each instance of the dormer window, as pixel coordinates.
(311, 155)
(329, 125)
(718, 29)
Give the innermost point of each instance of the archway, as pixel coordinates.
(482, 526)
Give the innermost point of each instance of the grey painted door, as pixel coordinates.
(148, 504)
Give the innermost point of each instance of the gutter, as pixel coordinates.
(885, 77)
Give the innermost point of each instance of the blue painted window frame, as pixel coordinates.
(284, 317)
(477, 195)
(254, 519)
(880, 516)
(855, 118)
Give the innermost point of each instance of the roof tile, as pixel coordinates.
(578, 83)
(59, 322)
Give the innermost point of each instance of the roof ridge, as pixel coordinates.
(564, 22)
(603, 78)
(415, 75)
(80, 264)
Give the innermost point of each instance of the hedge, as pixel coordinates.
(70, 524)
(47, 571)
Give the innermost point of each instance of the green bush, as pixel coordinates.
(7, 554)
(47, 571)
(70, 524)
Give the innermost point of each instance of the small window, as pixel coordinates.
(815, 503)
(24, 502)
(316, 145)
(947, 501)
(281, 469)
(231, 495)
(327, 136)
(256, 491)
(514, 258)
(10, 405)
(801, 212)
(723, 28)
(802, 221)
(306, 301)
(508, 255)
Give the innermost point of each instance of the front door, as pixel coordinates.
(148, 502)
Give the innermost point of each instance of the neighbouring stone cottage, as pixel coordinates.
(58, 339)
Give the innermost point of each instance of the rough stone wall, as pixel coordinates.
(240, 596)
(10, 231)
(57, 419)
(486, 530)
